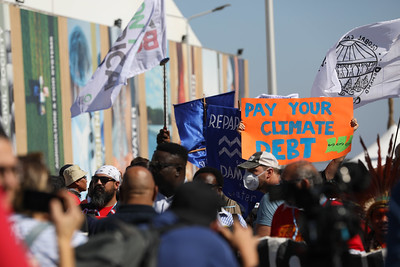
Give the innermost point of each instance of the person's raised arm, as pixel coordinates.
(163, 136)
(243, 240)
(241, 127)
(66, 222)
(334, 164)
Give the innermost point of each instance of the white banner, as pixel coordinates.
(140, 47)
(363, 64)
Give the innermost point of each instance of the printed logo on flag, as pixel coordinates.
(140, 47)
(357, 66)
(226, 147)
(363, 64)
(87, 98)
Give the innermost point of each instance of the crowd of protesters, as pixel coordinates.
(335, 213)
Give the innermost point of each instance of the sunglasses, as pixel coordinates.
(103, 180)
(159, 166)
(83, 178)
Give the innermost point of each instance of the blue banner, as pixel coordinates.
(190, 117)
(223, 144)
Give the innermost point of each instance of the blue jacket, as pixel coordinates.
(191, 245)
(129, 214)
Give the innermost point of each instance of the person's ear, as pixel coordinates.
(121, 194)
(219, 189)
(178, 170)
(155, 192)
(269, 172)
(116, 185)
(304, 184)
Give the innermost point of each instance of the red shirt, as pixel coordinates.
(11, 252)
(284, 224)
(88, 209)
(75, 197)
(105, 211)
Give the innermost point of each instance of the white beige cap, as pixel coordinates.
(110, 171)
(263, 158)
(73, 174)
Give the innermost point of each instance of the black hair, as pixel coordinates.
(63, 168)
(140, 161)
(57, 182)
(213, 171)
(195, 203)
(356, 175)
(174, 149)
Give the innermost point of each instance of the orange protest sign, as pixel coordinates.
(313, 129)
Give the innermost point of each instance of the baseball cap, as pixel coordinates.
(110, 171)
(263, 158)
(73, 174)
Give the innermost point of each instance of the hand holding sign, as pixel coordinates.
(315, 129)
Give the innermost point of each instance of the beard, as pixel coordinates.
(100, 197)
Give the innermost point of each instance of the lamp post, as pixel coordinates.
(189, 60)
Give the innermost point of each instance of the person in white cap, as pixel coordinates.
(262, 171)
(106, 181)
(75, 180)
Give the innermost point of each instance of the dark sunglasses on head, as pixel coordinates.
(159, 166)
(103, 180)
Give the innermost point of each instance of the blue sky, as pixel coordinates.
(304, 31)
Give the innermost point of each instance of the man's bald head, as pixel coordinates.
(299, 178)
(138, 187)
(300, 170)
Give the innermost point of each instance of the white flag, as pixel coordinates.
(363, 64)
(140, 47)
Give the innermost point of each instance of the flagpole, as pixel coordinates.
(395, 140)
(163, 63)
(271, 65)
(390, 117)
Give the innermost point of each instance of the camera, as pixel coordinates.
(328, 219)
(38, 201)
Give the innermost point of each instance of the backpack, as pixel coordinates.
(126, 246)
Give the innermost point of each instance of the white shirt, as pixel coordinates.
(162, 203)
(226, 218)
(44, 248)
